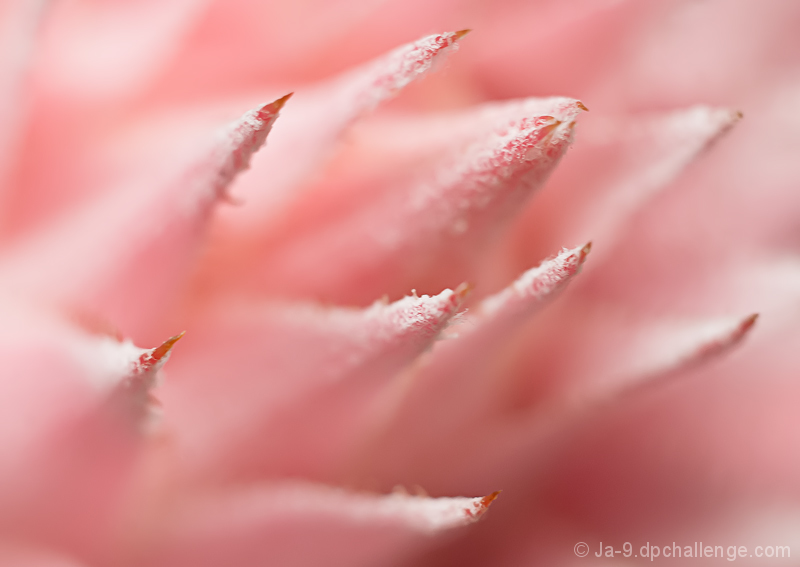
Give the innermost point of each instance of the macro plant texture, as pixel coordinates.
(243, 327)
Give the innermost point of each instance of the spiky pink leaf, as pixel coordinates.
(92, 68)
(124, 255)
(133, 394)
(66, 453)
(622, 164)
(318, 117)
(456, 209)
(275, 524)
(657, 348)
(458, 387)
(682, 349)
(261, 372)
(657, 355)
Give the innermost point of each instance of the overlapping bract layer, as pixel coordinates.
(270, 383)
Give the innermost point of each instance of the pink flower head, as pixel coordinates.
(426, 276)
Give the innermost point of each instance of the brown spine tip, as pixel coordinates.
(281, 101)
(548, 128)
(487, 500)
(461, 33)
(463, 290)
(585, 250)
(484, 503)
(582, 106)
(165, 347)
(748, 323)
(275, 106)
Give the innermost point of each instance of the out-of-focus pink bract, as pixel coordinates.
(390, 307)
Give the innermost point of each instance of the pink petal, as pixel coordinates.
(288, 385)
(133, 394)
(660, 453)
(234, 37)
(93, 61)
(664, 61)
(658, 351)
(124, 255)
(656, 356)
(400, 140)
(459, 387)
(300, 524)
(67, 454)
(620, 166)
(28, 556)
(319, 116)
(455, 210)
(585, 41)
(19, 20)
(715, 204)
(96, 54)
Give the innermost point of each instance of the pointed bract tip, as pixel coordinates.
(585, 250)
(278, 104)
(487, 500)
(165, 347)
(548, 128)
(748, 323)
(482, 504)
(461, 33)
(463, 290)
(275, 106)
(582, 106)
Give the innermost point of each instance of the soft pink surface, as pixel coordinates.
(627, 394)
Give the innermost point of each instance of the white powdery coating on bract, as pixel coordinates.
(317, 118)
(230, 156)
(423, 316)
(491, 114)
(449, 132)
(291, 501)
(104, 361)
(536, 284)
(368, 86)
(381, 321)
(417, 512)
(349, 337)
(479, 179)
(245, 136)
(109, 360)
